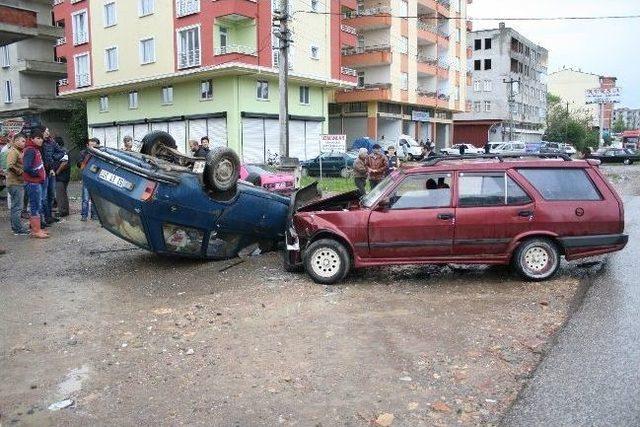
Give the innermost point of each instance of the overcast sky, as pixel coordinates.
(607, 47)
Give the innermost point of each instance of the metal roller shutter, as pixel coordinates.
(217, 131)
(313, 132)
(98, 133)
(252, 140)
(197, 129)
(164, 126)
(139, 131)
(178, 131)
(111, 136)
(271, 138)
(355, 127)
(297, 139)
(124, 130)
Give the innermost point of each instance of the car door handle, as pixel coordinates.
(445, 216)
(525, 213)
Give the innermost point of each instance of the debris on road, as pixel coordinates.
(60, 405)
(384, 420)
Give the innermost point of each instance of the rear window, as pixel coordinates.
(562, 184)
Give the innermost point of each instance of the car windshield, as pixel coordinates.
(256, 169)
(370, 199)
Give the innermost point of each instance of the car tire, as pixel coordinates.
(222, 170)
(537, 259)
(152, 142)
(327, 261)
(254, 179)
(346, 172)
(628, 162)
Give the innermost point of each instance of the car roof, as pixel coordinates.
(488, 164)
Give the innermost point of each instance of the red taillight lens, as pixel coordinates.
(149, 189)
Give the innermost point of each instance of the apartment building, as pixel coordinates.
(203, 67)
(629, 116)
(411, 69)
(572, 84)
(28, 66)
(508, 94)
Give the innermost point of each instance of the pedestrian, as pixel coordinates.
(15, 183)
(50, 151)
(377, 165)
(86, 200)
(127, 143)
(487, 148)
(34, 177)
(360, 171)
(392, 159)
(193, 146)
(429, 153)
(461, 149)
(5, 146)
(204, 147)
(63, 175)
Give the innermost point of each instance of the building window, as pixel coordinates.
(487, 44)
(189, 47)
(404, 81)
(477, 65)
(404, 8)
(360, 78)
(147, 51)
(262, 90)
(167, 95)
(488, 85)
(8, 92)
(187, 7)
(5, 59)
(146, 7)
(104, 104)
(477, 44)
(80, 27)
(477, 106)
(404, 45)
(487, 106)
(223, 39)
(314, 52)
(487, 64)
(111, 58)
(133, 100)
(81, 65)
(206, 90)
(477, 86)
(304, 95)
(110, 14)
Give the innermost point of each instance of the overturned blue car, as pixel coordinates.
(169, 203)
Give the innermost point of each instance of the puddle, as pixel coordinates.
(73, 381)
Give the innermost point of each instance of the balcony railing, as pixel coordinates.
(424, 59)
(189, 59)
(187, 7)
(443, 97)
(363, 49)
(427, 92)
(61, 41)
(373, 11)
(63, 82)
(348, 71)
(348, 29)
(83, 80)
(235, 48)
(425, 26)
(374, 86)
(445, 3)
(444, 33)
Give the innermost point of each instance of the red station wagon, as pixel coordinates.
(527, 211)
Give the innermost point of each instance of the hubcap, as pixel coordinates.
(537, 260)
(325, 262)
(224, 170)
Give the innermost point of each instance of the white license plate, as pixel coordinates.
(114, 179)
(198, 167)
(281, 185)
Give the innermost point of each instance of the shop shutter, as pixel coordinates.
(178, 131)
(164, 126)
(124, 130)
(111, 136)
(297, 139)
(139, 131)
(271, 138)
(252, 140)
(98, 133)
(313, 132)
(197, 129)
(354, 127)
(217, 131)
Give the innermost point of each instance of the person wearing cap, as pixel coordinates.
(360, 171)
(377, 165)
(392, 159)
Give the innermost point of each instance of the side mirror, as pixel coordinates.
(384, 204)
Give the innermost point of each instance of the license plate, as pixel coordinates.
(198, 167)
(116, 180)
(281, 185)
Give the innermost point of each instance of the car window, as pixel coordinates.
(372, 197)
(562, 184)
(422, 192)
(489, 189)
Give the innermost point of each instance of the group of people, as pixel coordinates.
(199, 149)
(373, 166)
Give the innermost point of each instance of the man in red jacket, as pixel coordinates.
(34, 176)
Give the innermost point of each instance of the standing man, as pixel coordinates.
(50, 151)
(204, 147)
(15, 183)
(487, 148)
(360, 171)
(377, 165)
(462, 148)
(193, 146)
(127, 143)
(86, 200)
(63, 175)
(34, 176)
(394, 161)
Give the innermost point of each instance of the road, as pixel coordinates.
(592, 375)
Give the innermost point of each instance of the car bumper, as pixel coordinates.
(585, 246)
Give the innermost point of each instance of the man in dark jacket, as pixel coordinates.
(50, 152)
(377, 164)
(86, 200)
(360, 171)
(34, 176)
(204, 147)
(63, 175)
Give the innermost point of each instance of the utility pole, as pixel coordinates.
(281, 31)
(512, 99)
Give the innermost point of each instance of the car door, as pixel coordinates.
(491, 210)
(417, 221)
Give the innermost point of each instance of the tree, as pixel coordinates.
(78, 126)
(566, 126)
(619, 125)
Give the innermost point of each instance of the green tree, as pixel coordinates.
(566, 126)
(619, 125)
(78, 126)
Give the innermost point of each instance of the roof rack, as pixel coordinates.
(500, 157)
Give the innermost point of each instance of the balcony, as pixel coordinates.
(349, 35)
(235, 48)
(427, 65)
(235, 8)
(61, 41)
(430, 5)
(369, 19)
(366, 56)
(189, 59)
(427, 33)
(368, 92)
(187, 7)
(348, 71)
(426, 96)
(444, 7)
(45, 68)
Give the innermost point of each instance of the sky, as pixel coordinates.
(605, 47)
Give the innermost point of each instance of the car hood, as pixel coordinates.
(339, 201)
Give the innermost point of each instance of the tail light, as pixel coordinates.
(149, 189)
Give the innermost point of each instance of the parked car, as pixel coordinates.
(616, 155)
(333, 164)
(408, 147)
(551, 147)
(526, 212)
(514, 147)
(169, 203)
(569, 149)
(455, 149)
(493, 146)
(259, 176)
(363, 142)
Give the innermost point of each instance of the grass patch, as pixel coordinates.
(333, 185)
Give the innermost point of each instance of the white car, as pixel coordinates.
(511, 148)
(569, 149)
(493, 146)
(455, 150)
(408, 148)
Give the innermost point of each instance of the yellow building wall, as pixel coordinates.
(311, 29)
(571, 85)
(126, 35)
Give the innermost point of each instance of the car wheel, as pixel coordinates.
(537, 259)
(346, 172)
(327, 261)
(222, 170)
(153, 142)
(627, 161)
(254, 179)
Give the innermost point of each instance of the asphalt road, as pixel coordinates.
(592, 375)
